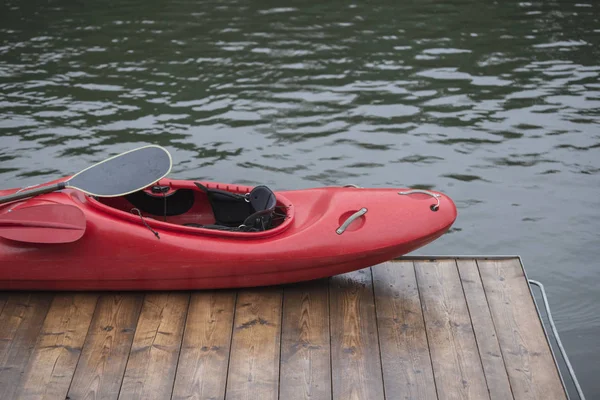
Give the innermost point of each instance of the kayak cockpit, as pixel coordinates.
(203, 208)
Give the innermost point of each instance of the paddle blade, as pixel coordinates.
(44, 223)
(124, 173)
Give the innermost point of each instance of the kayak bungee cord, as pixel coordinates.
(137, 211)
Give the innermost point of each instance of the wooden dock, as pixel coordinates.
(408, 329)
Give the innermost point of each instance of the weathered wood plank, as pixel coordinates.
(56, 353)
(407, 370)
(457, 367)
(305, 342)
(255, 347)
(529, 362)
(21, 321)
(485, 331)
(101, 366)
(204, 357)
(152, 363)
(481, 324)
(3, 300)
(355, 355)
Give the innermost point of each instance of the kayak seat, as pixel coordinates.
(176, 203)
(263, 201)
(250, 212)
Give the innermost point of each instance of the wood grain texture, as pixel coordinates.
(3, 299)
(254, 359)
(355, 355)
(407, 370)
(21, 321)
(485, 331)
(305, 342)
(457, 367)
(101, 366)
(451, 328)
(56, 353)
(152, 363)
(204, 357)
(529, 362)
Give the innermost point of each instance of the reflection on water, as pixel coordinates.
(495, 103)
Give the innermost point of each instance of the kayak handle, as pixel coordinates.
(434, 207)
(351, 219)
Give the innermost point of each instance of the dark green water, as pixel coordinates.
(495, 103)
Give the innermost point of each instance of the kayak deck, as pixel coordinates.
(412, 328)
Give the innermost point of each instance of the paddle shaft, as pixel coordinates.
(33, 192)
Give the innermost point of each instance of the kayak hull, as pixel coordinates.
(122, 250)
(283, 276)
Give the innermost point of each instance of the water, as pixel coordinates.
(495, 103)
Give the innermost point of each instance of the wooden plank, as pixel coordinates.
(3, 300)
(52, 364)
(529, 362)
(152, 363)
(204, 358)
(305, 342)
(485, 331)
(457, 368)
(21, 320)
(102, 363)
(355, 355)
(254, 359)
(407, 370)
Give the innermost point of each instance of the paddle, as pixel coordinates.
(122, 174)
(43, 223)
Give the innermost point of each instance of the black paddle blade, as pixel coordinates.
(124, 173)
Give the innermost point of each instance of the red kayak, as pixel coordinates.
(179, 234)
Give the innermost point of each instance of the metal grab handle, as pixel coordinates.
(351, 219)
(434, 207)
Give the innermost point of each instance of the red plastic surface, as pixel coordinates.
(119, 252)
(43, 223)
